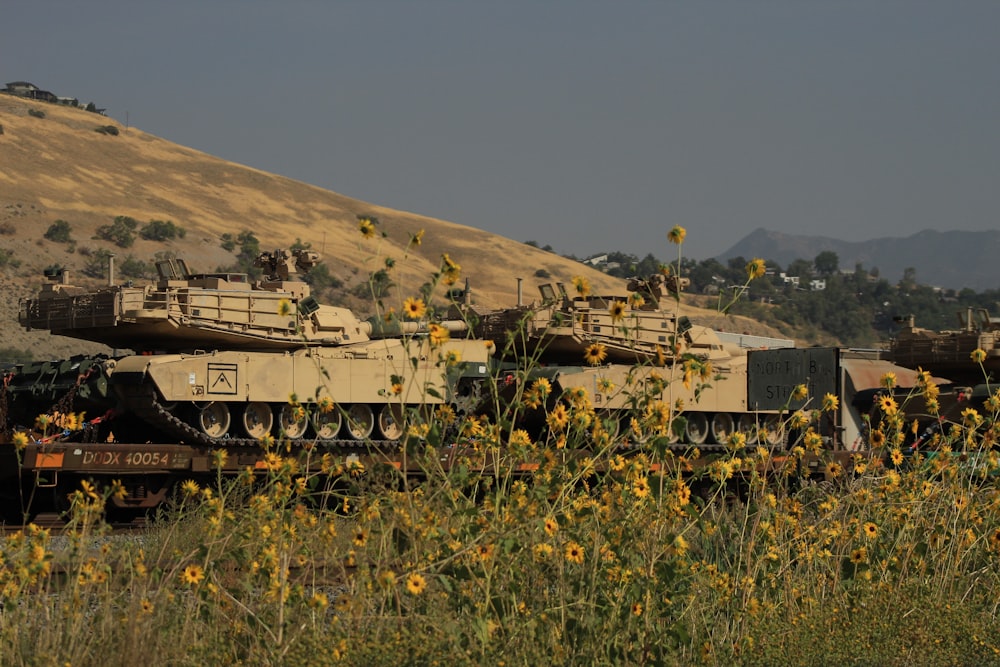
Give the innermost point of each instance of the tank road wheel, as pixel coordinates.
(722, 427)
(293, 420)
(697, 428)
(390, 421)
(360, 421)
(257, 420)
(772, 431)
(213, 419)
(326, 425)
(746, 425)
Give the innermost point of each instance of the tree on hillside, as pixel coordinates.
(826, 263)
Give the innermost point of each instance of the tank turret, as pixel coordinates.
(184, 311)
(949, 353)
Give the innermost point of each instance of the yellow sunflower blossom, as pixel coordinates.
(366, 226)
(574, 553)
(413, 308)
(676, 235)
(617, 310)
(20, 440)
(582, 285)
(437, 334)
(756, 268)
(415, 583)
(978, 355)
(830, 403)
(192, 575)
(595, 354)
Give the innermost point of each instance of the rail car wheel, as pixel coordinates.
(772, 431)
(746, 425)
(721, 426)
(326, 425)
(293, 420)
(390, 421)
(697, 428)
(213, 419)
(257, 419)
(360, 421)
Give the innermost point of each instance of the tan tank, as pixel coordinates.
(220, 358)
(949, 353)
(619, 347)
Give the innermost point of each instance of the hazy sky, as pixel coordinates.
(589, 126)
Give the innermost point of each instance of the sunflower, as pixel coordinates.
(877, 438)
(870, 530)
(192, 575)
(896, 456)
(640, 487)
(830, 403)
(325, 405)
(635, 300)
(366, 227)
(558, 418)
(190, 487)
(20, 440)
(449, 270)
(542, 552)
(859, 555)
(574, 553)
(582, 285)
(834, 469)
(284, 307)
(415, 583)
(414, 309)
(978, 355)
(676, 235)
(637, 609)
(551, 526)
(595, 354)
(437, 334)
(888, 380)
(360, 537)
(888, 405)
(417, 239)
(617, 310)
(756, 268)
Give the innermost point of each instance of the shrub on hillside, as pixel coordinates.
(7, 228)
(121, 232)
(161, 230)
(59, 231)
(36, 113)
(107, 129)
(7, 258)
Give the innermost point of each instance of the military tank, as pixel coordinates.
(218, 358)
(637, 361)
(949, 353)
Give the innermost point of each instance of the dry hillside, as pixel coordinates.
(60, 167)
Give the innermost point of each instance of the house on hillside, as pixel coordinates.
(29, 90)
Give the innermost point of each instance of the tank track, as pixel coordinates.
(145, 405)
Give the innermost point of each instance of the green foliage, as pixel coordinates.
(96, 263)
(542, 273)
(36, 113)
(248, 254)
(8, 258)
(96, 266)
(121, 232)
(161, 230)
(59, 231)
(299, 245)
(107, 129)
(322, 282)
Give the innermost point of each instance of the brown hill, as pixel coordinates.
(57, 165)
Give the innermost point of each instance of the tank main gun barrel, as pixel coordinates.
(377, 327)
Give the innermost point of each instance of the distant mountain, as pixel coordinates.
(952, 260)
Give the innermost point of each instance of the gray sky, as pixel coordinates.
(590, 126)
